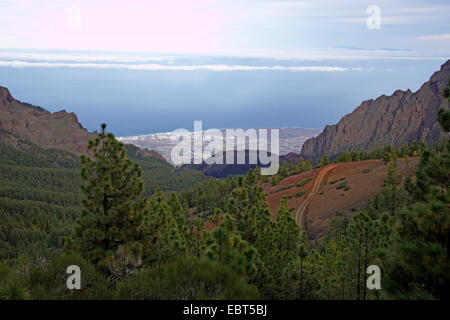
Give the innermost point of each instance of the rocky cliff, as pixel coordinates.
(59, 130)
(388, 120)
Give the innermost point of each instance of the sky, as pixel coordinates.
(265, 27)
(158, 65)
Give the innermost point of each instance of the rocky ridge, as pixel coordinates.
(393, 120)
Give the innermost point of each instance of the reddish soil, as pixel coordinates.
(321, 202)
(274, 196)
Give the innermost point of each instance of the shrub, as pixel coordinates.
(341, 185)
(187, 279)
(284, 188)
(48, 281)
(299, 194)
(303, 182)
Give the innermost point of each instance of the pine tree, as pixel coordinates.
(288, 230)
(324, 159)
(225, 245)
(308, 165)
(444, 114)
(364, 240)
(391, 191)
(303, 254)
(195, 235)
(275, 180)
(251, 178)
(278, 248)
(166, 238)
(417, 263)
(283, 172)
(114, 209)
(422, 230)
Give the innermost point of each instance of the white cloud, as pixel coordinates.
(159, 67)
(439, 37)
(190, 61)
(289, 4)
(80, 57)
(342, 54)
(423, 10)
(388, 20)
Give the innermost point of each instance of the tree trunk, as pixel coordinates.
(301, 279)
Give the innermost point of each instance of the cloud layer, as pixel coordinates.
(160, 67)
(437, 37)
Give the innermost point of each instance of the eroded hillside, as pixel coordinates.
(317, 196)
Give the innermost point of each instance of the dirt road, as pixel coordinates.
(300, 212)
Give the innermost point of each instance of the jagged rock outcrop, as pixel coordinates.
(59, 130)
(388, 120)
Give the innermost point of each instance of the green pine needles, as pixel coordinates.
(114, 214)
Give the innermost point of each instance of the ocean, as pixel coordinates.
(255, 93)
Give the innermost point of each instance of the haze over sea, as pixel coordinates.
(136, 93)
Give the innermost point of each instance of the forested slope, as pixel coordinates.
(40, 194)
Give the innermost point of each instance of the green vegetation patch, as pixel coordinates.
(284, 188)
(303, 182)
(299, 194)
(342, 185)
(337, 180)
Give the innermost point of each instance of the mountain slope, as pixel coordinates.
(388, 120)
(315, 203)
(40, 180)
(225, 170)
(60, 130)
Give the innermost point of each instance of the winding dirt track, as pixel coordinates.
(300, 212)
